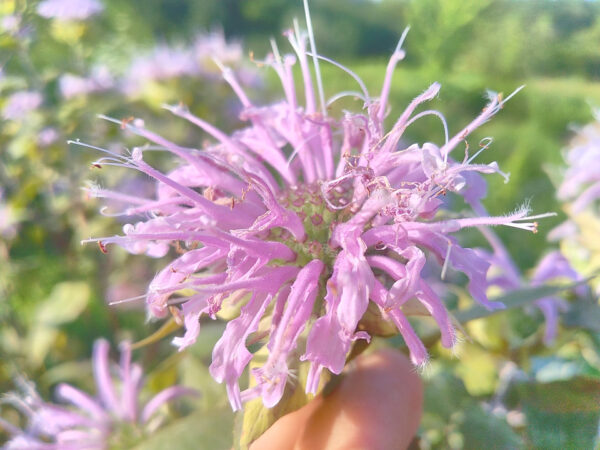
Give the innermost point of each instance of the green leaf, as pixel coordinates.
(194, 373)
(255, 419)
(199, 431)
(514, 299)
(478, 370)
(481, 429)
(562, 414)
(583, 314)
(64, 304)
(39, 342)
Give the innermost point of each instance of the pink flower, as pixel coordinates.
(552, 267)
(74, 85)
(580, 192)
(581, 181)
(21, 103)
(89, 423)
(166, 62)
(69, 9)
(47, 137)
(303, 220)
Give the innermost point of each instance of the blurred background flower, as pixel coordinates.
(114, 417)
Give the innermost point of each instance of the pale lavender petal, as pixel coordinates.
(272, 376)
(82, 400)
(21, 103)
(104, 382)
(230, 355)
(164, 396)
(418, 353)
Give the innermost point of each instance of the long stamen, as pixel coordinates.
(313, 49)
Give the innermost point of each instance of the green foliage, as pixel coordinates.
(453, 419)
(562, 414)
(65, 303)
(202, 431)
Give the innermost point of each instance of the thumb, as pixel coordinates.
(377, 405)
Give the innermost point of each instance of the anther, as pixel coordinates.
(102, 247)
(176, 313)
(126, 121)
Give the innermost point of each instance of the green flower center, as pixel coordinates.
(319, 219)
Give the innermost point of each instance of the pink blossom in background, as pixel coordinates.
(579, 190)
(69, 9)
(21, 103)
(213, 44)
(10, 23)
(74, 85)
(553, 267)
(161, 63)
(85, 422)
(47, 136)
(581, 181)
(166, 62)
(303, 221)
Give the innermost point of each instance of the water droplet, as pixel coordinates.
(380, 246)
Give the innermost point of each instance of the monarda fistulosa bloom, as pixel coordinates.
(112, 419)
(307, 223)
(579, 190)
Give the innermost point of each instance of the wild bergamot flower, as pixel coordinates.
(113, 418)
(304, 220)
(579, 191)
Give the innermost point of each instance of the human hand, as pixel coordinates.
(377, 406)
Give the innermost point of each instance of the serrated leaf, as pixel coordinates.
(255, 419)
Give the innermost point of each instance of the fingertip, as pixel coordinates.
(378, 405)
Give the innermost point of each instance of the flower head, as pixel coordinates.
(304, 221)
(86, 422)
